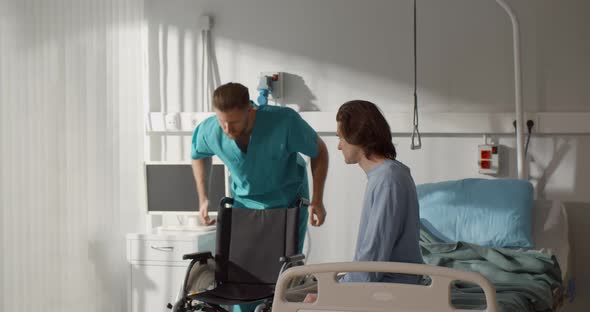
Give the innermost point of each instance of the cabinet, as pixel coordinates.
(155, 266)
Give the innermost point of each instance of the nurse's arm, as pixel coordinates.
(319, 170)
(200, 172)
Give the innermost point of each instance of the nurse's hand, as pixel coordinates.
(317, 214)
(204, 213)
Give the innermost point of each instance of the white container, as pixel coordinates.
(172, 122)
(188, 121)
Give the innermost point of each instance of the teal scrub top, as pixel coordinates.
(272, 173)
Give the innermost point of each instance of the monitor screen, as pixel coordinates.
(171, 187)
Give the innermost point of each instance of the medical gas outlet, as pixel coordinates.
(270, 87)
(489, 159)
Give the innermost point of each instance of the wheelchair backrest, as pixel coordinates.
(250, 243)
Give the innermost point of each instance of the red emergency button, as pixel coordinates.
(485, 164)
(486, 154)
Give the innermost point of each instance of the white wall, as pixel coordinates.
(338, 50)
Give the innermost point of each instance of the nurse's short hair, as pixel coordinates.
(363, 124)
(231, 96)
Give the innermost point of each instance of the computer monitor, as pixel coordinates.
(170, 188)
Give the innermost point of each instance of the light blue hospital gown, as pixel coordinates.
(272, 173)
(390, 223)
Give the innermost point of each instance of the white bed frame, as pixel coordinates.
(379, 297)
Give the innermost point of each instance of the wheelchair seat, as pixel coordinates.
(252, 248)
(230, 294)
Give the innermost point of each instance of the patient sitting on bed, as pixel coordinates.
(390, 222)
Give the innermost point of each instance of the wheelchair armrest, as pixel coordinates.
(292, 258)
(202, 257)
(291, 261)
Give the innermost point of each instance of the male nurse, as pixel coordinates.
(261, 147)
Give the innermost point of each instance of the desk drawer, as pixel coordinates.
(161, 250)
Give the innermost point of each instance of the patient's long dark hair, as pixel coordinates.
(363, 124)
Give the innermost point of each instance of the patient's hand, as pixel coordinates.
(310, 298)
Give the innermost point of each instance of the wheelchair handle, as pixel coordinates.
(302, 202)
(226, 201)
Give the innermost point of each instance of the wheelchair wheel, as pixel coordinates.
(264, 307)
(201, 278)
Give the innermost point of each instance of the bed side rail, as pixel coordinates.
(376, 297)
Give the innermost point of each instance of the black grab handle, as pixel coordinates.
(226, 201)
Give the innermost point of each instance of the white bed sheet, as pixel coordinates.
(551, 232)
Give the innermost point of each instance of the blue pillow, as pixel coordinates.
(494, 213)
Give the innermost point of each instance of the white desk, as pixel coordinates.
(156, 268)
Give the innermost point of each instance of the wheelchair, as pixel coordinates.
(253, 247)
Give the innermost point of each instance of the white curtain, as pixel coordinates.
(71, 126)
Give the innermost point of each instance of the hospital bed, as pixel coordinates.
(495, 227)
(550, 235)
(526, 279)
